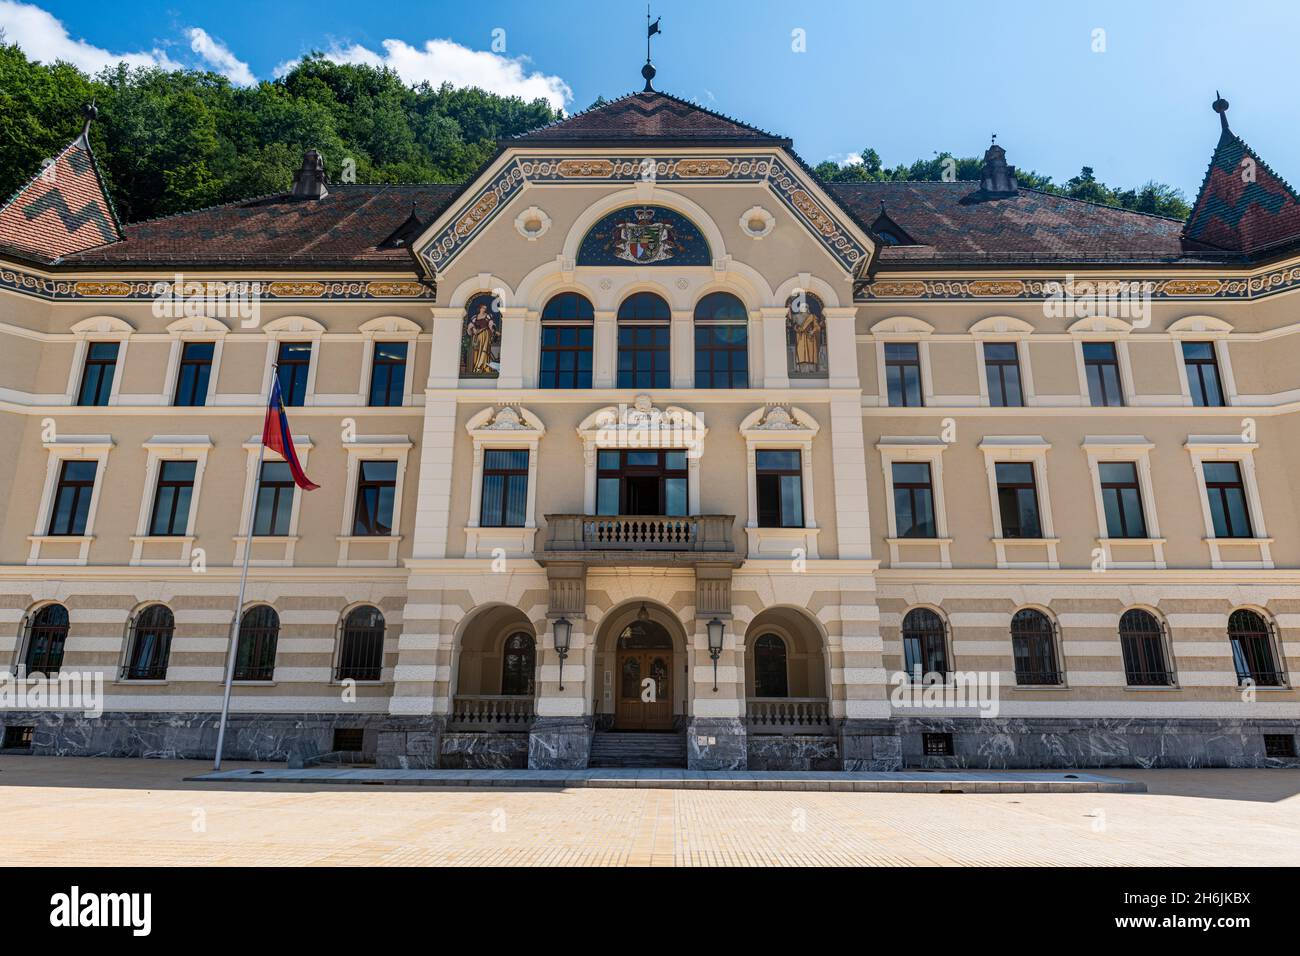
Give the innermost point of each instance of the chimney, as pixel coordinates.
(309, 182)
(997, 178)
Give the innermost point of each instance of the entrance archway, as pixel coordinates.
(643, 698)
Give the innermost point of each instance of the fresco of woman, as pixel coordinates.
(482, 335)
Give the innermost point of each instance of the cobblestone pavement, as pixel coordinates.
(69, 811)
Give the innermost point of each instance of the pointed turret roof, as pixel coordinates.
(65, 208)
(652, 116)
(1243, 206)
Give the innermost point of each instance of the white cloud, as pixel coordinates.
(218, 56)
(445, 61)
(42, 37)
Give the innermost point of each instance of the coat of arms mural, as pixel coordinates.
(480, 341)
(805, 332)
(644, 236)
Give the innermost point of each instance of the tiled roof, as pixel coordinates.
(347, 228)
(648, 117)
(953, 222)
(1243, 206)
(63, 209)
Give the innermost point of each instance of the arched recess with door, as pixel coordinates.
(495, 662)
(637, 642)
(786, 677)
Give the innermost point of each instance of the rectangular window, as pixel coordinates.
(72, 497)
(505, 488)
(566, 355)
(195, 370)
(1002, 373)
(903, 374)
(1121, 499)
(779, 484)
(1101, 365)
(937, 744)
(641, 482)
(721, 355)
(97, 375)
(274, 499)
(388, 374)
(171, 502)
(644, 360)
(913, 500)
(1279, 745)
(1227, 495)
(1203, 373)
(294, 360)
(1018, 500)
(376, 488)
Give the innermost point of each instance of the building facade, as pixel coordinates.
(645, 446)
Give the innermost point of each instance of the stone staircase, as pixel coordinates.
(638, 750)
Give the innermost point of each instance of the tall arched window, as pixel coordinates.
(361, 647)
(1033, 645)
(721, 342)
(925, 644)
(518, 663)
(1142, 640)
(46, 635)
(1253, 655)
(259, 630)
(771, 673)
(150, 644)
(644, 356)
(567, 322)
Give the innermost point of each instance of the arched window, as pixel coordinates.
(1251, 638)
(518, 663)
(361, 648)
(46, 635)
(644, 357)
(567, 323)
(925, 644)
(150, 644)
(1033, 645)
(1142, 640)
(721, 342)
(259, 630)
(771, 675)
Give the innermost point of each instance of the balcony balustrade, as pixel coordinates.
(491, 713)
(788, 716)
(642, 539)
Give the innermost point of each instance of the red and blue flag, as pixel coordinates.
(277, 437)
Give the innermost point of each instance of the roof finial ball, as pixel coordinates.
(648, 72)
(1220, 106)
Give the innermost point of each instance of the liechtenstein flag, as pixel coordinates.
(277, 437)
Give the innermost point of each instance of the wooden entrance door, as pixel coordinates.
(645, 653)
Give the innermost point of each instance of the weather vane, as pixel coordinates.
(648, 71)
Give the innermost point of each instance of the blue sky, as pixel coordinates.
(909, 80)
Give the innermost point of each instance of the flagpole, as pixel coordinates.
(243, 584)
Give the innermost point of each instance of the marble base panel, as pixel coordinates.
(410, 743)
(469, 751)
(871, 745)
(189, 736)
(716, 743)
(1018, 743)
(560, 743)
(793, 753)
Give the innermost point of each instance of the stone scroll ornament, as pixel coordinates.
(805, 331)
(480, 341)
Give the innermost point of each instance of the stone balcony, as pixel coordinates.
(646, 540)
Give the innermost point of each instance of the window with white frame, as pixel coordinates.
(293, 347)
(503, 493)
(1005, 377)
(95, 376)
(1224, 467)
(272, 505)
(914, 500)
(173, 479)
(65, 518)
(1023, 529)
(779, 451)
(389, 344)
(1128, 524)
(372, 508)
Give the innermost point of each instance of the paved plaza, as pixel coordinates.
(83, 811)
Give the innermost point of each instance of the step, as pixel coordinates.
(638, 750)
